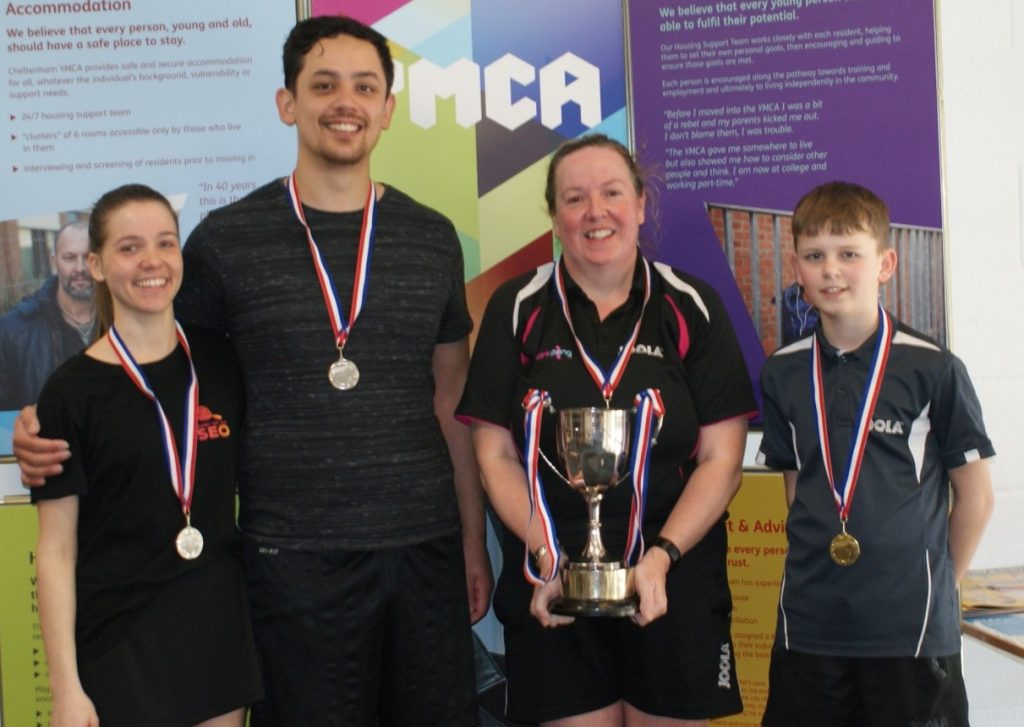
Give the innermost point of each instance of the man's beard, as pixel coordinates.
(78, 292)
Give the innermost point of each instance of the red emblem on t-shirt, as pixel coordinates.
(211, 426)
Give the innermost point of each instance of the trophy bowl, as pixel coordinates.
(593, 445)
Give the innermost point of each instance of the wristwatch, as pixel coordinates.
(670, 548)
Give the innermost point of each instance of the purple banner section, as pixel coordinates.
(741, 107)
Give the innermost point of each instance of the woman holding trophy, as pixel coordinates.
(580, 366)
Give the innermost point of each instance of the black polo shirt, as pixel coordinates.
(686, 348)
(899, 599)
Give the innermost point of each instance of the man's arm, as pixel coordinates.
(972, 505)
(450, 364)
(38, 458)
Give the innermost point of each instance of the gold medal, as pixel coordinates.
(844, 548)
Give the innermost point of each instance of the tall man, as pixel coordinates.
(354, 474)
(49, 326)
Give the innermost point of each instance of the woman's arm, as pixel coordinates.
(504, 480)
(56, 554)
(708, 493)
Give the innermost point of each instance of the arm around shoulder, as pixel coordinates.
(38, 458)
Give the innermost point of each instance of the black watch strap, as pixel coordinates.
(669, 547)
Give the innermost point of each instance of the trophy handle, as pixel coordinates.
(657, 429)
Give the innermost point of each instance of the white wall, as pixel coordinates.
(981, 57)
(982, 69)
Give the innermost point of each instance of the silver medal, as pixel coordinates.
(343, 374)
(189, 543)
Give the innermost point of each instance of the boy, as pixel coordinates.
(868, 625)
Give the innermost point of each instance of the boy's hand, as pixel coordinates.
(38, 458)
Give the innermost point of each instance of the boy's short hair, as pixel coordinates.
(841, 208)
(307, 33)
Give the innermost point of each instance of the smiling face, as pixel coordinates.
(598, 213)
(841, 276)
(139, 259)
(340, 103)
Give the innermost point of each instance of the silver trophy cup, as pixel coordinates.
(593, 445)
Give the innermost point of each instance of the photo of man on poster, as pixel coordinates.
(49, 325)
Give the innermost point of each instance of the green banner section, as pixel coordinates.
(24, 690)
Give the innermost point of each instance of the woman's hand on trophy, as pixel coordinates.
(541, 602)
(649, 581)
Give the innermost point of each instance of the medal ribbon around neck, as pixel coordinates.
(606, 382)
(843, 493)
(648, 405)
(182, 470)
(339, 325)
(534, 403)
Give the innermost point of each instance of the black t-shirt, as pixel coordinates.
(363, 468)
(899, 599)
(129, 515)
(686, 348)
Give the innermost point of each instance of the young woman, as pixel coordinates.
(141, 597)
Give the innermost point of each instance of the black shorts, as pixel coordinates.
(371, 637)
(680, 666)
(808, 690)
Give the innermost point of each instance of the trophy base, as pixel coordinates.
(596, 589)
(613, 609)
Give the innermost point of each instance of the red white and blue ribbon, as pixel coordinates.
(339, 324)
(182, 469)
(650, 410)
(534, 403)
(843, 490)
(606, 382)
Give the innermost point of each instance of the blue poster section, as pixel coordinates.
(175, 95)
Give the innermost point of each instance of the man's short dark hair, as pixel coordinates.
(307, 33)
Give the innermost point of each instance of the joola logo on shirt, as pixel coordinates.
(211, 426)
(724, 665)
(557, 353)
(884, 426)
(644, 350)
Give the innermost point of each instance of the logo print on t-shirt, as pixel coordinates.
(210, 425)
(885, 426)
(557, 353)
